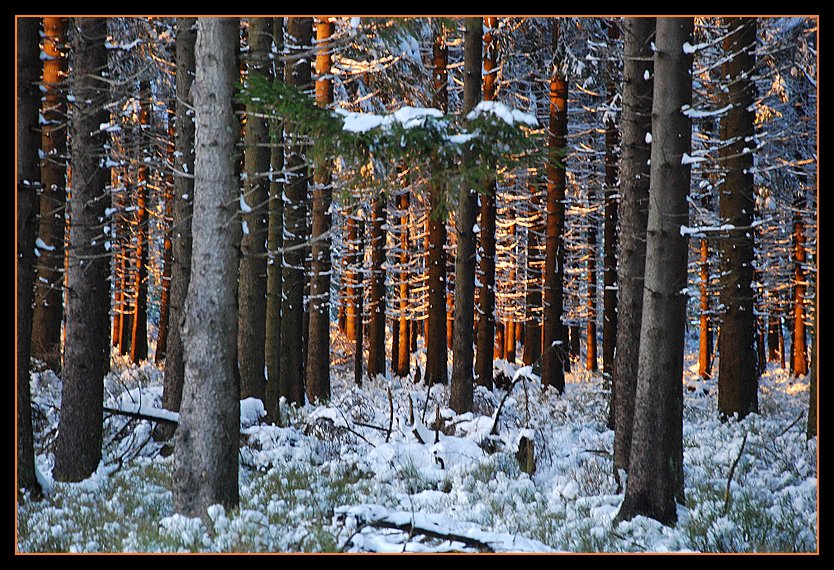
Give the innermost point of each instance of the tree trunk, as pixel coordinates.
(553, 339)
(486, 275)
(609, 276)
(403, 352)
(799, 350)
(87, 348)
(737, 374)
(167, 244)
(436, 352)
(251, 342)
(533, 299)
(462, 349)
(49, 289)
(634, 188)
(298, 74)
(275, 241)
(359, 290)
(183, 200)
(655, 477)
(318, 344)
(28, 179)
(139, 332)
(811, 430)
(704, 340)
(591, 327)
(206, 456)
(376, 309)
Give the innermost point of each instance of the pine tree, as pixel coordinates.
(206, 456)
(655, 474)
(87, 348)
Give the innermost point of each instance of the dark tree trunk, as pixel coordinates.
(634, 188)
(360, 295)
(167, 244)
(183, 201)
(376, 309)
(318, 344)
(349, 277)
(737, 374)
(704, 337)
(462, 347)
(206, 456)
(533, 300)
(591, 326)
(251, 342)
(139, 333)
(49, 289)
(655, 476)
(87, 348)
(799, 349)
(811, 430)
(553, 339)
(298, 74)
(575, 335)
(609, 276)
(275, 241)
(436, 352)
(28, 179)
(486, 275)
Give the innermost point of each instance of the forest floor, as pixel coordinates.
(336, 478)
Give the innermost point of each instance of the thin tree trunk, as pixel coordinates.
(359, 290)
(436, 351)
(403, 351)
(298, 73)
(251, 342)
(139, 332)
(509, 341)
(376, 308)
(811, 430)
(349, 278)
(28, 179)
(183, 201)
(486, 290)
(799, 349)
(49, 302)
(634, 188)
(318, 344)
(655, 476)
(275, 241)
(533, 299)
(737, 374)
(591, 327)
(206, 456)
(609, 276)
(704, 339)
(553, 339)
(167, 244)
(462, 347)
(87, 348)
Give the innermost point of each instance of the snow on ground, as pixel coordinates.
(336, 478)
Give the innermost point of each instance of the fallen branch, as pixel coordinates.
(727, 496)
(144, 415)
(413, 529)
(793, 423)
(390, 414)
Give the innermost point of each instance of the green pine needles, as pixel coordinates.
(368, 150)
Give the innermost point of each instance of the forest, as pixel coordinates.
(416, 284)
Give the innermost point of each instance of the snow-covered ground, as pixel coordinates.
(333, 478)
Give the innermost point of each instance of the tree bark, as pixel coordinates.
(737, 374)
(655, 477)
(704, 340)
(533, 299)
(251, 342)
(799, 349)
(49, 287)
(139, 332)
(28, 179)
(318, 344)
(462, 348)
(183, 207)
(275, 241)
(634, 188)
(87, 348)
(553, 340)
(609, 276)
(436, 352)
(591, 326)
(167, 244)
(376, 310)
(205, 460)
(298, 73)
(486, 275)
(404, 337)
